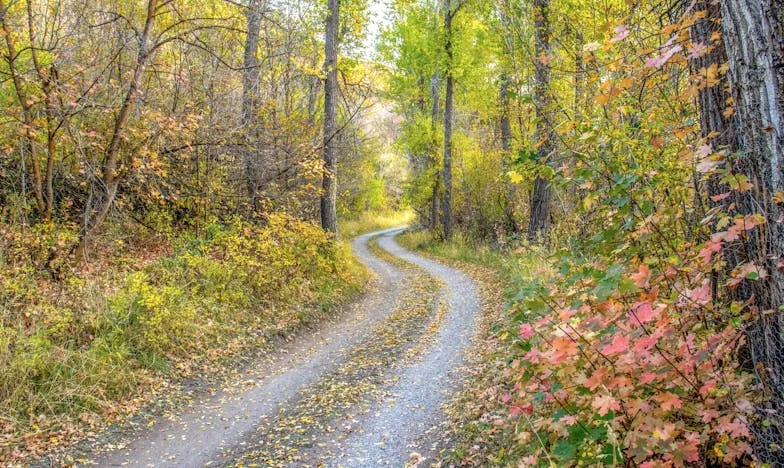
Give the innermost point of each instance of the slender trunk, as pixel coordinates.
(579, 95)
(753, 33)
(314, 83)
(448, 117)
(329, 220)
(579, 77)
(27, 111)
(250, 99)
(110, 176)
(434, 116)
(505, 128)
(47, 86)
(539, 221)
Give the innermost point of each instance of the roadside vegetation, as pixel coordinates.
(179, 180)
(620, 164)
(84, 350)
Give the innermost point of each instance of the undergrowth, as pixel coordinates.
(83, 349)
(594, 365)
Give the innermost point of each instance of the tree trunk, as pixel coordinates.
(110, 177)
(448, 117)
(47, 85)
(753, 33)
(716, 127)
(329, 220)
(539, 221)
(27, 111)
(505, 128)
(434, 116)
(250, 99)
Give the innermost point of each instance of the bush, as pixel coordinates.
(85, 344)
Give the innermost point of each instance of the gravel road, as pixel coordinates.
(399, 425)
(214, 429)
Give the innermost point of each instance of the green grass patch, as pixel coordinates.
(373, 221)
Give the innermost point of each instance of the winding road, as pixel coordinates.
(364, 390)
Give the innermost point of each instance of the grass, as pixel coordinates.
(87, 350)
(372, 221)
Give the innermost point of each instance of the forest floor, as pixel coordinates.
(366, 389)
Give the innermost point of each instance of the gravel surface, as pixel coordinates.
(215, 423)
(399, 426)
(218, 426)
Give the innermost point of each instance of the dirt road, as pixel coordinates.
(364, 390)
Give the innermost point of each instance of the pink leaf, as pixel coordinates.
(642, 313)
(526, 331)
(619, 344)
(621, 33)
(696, 50)
(605, 403)
(701, 295)
(669, 401)
(658, 62)
(642, 276)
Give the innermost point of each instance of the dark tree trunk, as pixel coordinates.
(448, 117)
(250, 99)
(539, 222)
(715, 126)
(753, 33)
(329, 220)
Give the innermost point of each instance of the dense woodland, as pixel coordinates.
(178, 178)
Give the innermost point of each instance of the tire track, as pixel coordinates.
(419, 349)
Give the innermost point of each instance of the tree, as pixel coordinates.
(44, 205)
(329, 220)
(95, 216)
(449, 112)
(753, 36)
(250, 96)
(544, 139)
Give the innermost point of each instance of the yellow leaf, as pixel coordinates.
(591, 46)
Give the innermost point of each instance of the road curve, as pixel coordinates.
(217, 425)
(398, 427)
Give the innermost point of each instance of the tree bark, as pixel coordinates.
(753, 34)
(329, 220)
(434, 116)
(539, 221)
(250, 97)
(448, 117)
(717, 127)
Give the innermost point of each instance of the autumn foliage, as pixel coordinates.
(628, 343)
